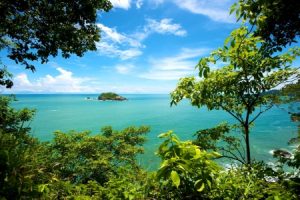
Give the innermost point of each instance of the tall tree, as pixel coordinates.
(277, 22)
(240, 87)
(36, 29)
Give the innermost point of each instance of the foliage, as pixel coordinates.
(207, 138)
(77, 160)
(185, 171)
(240, 87)
(17, 165)
(34, 30)
(126, 184)
(5, 78)
(255, 182)
(220, 140)
(79, 157)
(276, 21)
(78, 165)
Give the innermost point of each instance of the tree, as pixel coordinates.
(276, 21)
(240, 87)
(34, 30)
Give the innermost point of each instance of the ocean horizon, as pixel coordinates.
(67, 112)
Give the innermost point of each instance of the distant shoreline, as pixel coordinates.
(82, 94)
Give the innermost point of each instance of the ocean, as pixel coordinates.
(67, 112)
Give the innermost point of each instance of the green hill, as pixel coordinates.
(111, 96)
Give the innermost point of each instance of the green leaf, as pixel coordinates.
(276, 198)
(175, 178)
(232, 8)
(197, 153)
(216, 154)
(208, 183)
(201, 188)
(206, 71)
(42, 187)
(164, 135)
(201, 71)
(232, 43)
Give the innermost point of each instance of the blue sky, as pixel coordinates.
(146, 46)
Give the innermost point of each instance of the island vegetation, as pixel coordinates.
(79, 165)
(110, 96)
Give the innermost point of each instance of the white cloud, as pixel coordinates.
(22, 80)
(124, 68)
(128, 46)
(111, 33)
(64, 82)
(115, 44)
(157, 2)
(173, 68)
(164, 26)
(216, 10)
(114, 50)
(124, 4)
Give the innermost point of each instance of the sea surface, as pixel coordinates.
(73, 112)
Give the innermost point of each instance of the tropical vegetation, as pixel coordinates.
(79, 165)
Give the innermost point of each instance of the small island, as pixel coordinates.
(110, 96)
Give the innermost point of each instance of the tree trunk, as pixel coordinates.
(247, 144)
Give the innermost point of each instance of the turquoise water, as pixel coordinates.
(72, 112)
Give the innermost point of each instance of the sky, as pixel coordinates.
(145, 47)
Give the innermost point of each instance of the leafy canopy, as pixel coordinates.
(34, 30)
(276, 21)
(247, 74)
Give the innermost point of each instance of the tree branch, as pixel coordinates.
(239, 152)
(232, 114)
(233, 156)
(262, 111)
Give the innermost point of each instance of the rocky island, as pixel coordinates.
(110, 96)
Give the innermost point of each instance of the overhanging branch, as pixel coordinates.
(262, 111)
